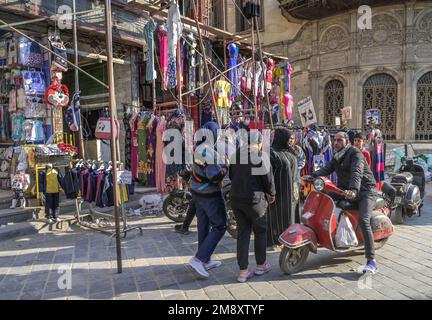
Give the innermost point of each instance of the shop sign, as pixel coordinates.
(307, 112)
(373, 116)
(124, 177)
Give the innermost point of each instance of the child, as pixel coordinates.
(51, 186)
(20, 183)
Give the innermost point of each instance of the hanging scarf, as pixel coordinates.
(340, 154)
(233, 52)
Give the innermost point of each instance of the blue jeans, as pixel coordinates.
(212, 224)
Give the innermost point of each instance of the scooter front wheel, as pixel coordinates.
(292, 260)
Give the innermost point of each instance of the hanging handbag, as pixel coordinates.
(103, 128)
(57, 94)
(58, 61)
(73, 114)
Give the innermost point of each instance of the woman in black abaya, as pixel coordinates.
(281, 214)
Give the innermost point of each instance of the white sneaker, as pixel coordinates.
(198, 267)
(212, 264)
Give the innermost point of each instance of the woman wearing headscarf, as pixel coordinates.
(281, 214)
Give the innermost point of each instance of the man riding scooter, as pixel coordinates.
(356, 178)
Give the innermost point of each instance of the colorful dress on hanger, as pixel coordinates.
(175, 30)
(151, 154)
(134, 145)
(173, 180)
(163, 53)
(142, 148)
(149, 30)
(160, 164)
(128, 139)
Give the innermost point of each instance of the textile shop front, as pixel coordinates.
(41, 116)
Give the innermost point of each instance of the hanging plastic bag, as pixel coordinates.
(345, 234)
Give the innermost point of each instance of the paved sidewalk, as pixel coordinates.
(154, 267)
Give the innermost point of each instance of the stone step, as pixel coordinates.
(16, 215)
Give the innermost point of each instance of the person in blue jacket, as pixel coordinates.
(208, 171)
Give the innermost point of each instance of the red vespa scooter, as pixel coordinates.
(319, 225)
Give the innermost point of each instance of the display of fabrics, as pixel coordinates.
(18, 127)
(48, 150)
(20, 98)
(12, 52)
(3, 53)
(30, 54)
(33, 131)
(12, 100)
(34, 107)
(34, 82)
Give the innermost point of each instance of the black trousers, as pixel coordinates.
(366, 205)
(51, 204)
(251, 217)
(190, 215)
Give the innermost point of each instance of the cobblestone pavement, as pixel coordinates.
(154, 267)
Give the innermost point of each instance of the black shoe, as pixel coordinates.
(179, 229)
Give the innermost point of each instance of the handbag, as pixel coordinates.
(103, 128)
(57, 94)
(59, 62)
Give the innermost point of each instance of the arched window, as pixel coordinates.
(380, 92)
(424, 108)
(333, 102)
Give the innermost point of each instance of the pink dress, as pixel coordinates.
(163, 60)
(160, 165)
(134, 146)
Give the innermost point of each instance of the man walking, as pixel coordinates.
(206, 187)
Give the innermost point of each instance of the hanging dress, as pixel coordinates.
(160, 164)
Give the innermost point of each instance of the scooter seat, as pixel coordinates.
(348, 205)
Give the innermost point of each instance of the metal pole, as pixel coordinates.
(262, 61)
(179, 75)
(112, 109)
(254, 72)
(75, 39)
(205, 60)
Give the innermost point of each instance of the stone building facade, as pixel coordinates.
(388, 67)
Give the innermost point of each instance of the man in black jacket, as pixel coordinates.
(250, 192)
(356, 178)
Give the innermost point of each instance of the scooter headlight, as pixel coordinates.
(319, 184)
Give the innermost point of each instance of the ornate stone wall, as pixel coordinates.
(399, 45)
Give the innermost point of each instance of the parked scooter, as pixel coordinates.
(176, 205)
(408, 190)
(319, 225)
